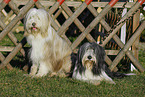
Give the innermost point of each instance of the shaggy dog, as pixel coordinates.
(90, 65)
(49, 52)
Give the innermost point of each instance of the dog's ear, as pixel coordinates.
(28, 13)
(26, 18)
(79, 55)
(101, 60)
(24, 21)
(102, 52)
(82, 51)
(100, 55)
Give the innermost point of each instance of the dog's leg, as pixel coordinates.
(66, 65)
(33, 70)
(43, 69)
(107, 78)
(94, 82)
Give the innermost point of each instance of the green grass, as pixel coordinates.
(14, 84)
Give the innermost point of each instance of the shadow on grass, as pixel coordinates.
(20, 61)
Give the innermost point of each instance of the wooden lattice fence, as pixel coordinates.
(67, 21)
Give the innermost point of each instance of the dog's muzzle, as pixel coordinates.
(33, 26)
(88, 61)
(89, 57)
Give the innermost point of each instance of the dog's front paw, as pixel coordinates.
(97, 83)
(39, 75)
(52, 74)
(94, 82)
(27, 75)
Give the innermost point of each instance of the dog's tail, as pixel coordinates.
(121, 75)
(128, 74)
(116, 74)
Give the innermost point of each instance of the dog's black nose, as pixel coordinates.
(33, 24)
(89, 57)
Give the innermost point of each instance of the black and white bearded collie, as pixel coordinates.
(90, 65)
(49, 52)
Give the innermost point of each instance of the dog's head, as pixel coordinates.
(91, 56)
(36, 21)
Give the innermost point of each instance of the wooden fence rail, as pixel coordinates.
(71, 12)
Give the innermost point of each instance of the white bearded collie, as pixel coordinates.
(49, 52)
(90, 65)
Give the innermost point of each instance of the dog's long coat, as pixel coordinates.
(49, 52)
(90, 65)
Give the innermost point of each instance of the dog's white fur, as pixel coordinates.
(87, 59)
(89, 77)
(49, 52)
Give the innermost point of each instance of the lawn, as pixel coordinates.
(13, 83)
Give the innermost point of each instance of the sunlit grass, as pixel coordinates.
(14, 84)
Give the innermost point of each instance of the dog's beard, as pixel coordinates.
(34, 30)
(37, 23)
(88, 64)
(89, 59)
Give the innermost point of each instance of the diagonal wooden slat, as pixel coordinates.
(2, 5)
(91, 26)
(121, 22)
(14, 7)
(57, 24)
(2, 58)
(16, 19)
(77, 22)
(13, 53)
(9, 27)
(127, 46)
(8, 16)
(82, 28)
(128, 52)
(54, 7)
(72, 18)
(115, 37)
(56, 15)
(105, 25)
(39, 5)
(23, 42)
(12, 37)
(62, 30)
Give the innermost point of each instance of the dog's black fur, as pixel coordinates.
(100, 57)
